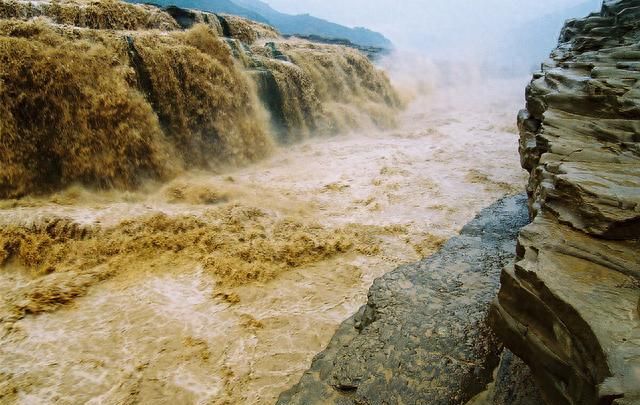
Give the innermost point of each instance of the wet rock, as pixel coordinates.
(271, 96)
(514, 383)
(186, 18)
(568, 307)
(422, 336)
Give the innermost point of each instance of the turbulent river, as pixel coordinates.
(177, 315)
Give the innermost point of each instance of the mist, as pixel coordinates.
(502, 35)
(240, 206)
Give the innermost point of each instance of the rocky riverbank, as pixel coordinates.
(570, 305)
(422, 336)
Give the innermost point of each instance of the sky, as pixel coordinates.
(413, 23)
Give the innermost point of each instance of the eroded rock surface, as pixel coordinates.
(569, 306)
(422, 336)
(514, 383)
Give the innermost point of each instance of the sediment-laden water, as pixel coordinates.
(220, 287)
(109, 94)
(191, 204)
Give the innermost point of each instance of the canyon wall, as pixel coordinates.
(110, 94)
(570, 306)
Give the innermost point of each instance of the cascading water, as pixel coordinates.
(145, 104)
(158, 245)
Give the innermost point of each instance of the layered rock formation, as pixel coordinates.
(107, 94)
(570, 307)
(422, 337)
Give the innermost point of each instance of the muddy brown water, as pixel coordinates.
(165, 328)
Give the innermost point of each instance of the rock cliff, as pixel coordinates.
(569, 307)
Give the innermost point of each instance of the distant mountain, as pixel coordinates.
(215, 6)
(307, 25)
(303, 25)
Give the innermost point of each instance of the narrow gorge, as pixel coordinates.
(198, 209)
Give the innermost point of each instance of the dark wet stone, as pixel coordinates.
(515, 384)
(184, 17)
(422, 336)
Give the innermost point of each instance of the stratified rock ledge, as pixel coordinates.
(422, 337)
(569, 307)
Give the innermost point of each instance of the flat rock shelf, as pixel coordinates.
(422, 337)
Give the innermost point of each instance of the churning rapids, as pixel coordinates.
(310, 228)
(243, 241)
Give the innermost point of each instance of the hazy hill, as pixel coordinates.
(216, 6)
(303, 24)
